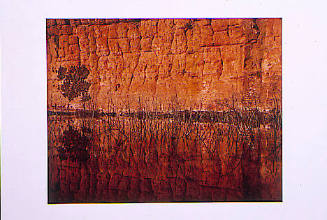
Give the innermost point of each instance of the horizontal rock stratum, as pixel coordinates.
(167, 64)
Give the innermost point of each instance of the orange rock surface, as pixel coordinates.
(160, 64)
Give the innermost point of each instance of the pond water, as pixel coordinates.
(125, 159)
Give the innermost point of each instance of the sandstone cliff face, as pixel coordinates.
(164, 64)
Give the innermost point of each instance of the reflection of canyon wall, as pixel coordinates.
(101, 164)
(188, 63)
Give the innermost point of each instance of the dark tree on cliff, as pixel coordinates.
(73, 82)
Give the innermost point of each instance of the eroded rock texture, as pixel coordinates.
(161, 64)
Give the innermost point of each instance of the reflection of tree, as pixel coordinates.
(73, 82)
(74, 145)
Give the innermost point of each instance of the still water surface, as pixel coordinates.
(124, 159)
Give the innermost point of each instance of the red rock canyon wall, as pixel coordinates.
(160, 64)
